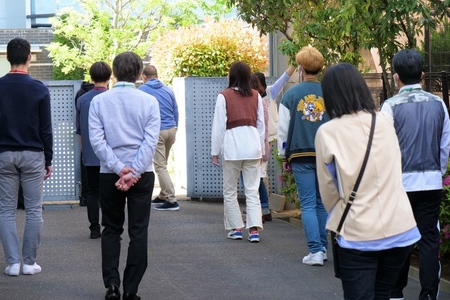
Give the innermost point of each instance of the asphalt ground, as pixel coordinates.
(189, 258)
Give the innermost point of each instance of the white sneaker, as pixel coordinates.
(13, 269)
(325, 257)
(31, 269)
(314, 259)
(396, 298)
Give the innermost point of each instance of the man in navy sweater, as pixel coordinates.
(25, 156)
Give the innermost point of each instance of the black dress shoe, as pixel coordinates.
(112, 293)
(95, 235)
(129, 296)
(83, 201)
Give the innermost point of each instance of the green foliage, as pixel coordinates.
(440, 48)
(105, 28)
(208, 50)
(58, 74)
(288, 185)
(339, 28)
(444, 214)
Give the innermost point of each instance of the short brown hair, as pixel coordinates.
(310, 59)
(150, 71)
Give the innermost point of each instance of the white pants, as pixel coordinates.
(251, 174)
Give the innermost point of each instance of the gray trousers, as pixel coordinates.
(26, 168)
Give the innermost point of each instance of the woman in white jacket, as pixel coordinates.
(379, 228)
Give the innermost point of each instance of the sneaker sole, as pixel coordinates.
(171, 209)
(235, 237)
(31, 273)
(318, 264)
(253, 240)
(13, 273)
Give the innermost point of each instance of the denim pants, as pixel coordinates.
(370, 275)
(263, 197)
(313, 213)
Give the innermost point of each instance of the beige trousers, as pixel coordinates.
(165, 142)
(232, 212)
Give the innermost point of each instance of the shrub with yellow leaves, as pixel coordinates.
(208, 50)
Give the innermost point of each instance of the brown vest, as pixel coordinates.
(241, 111)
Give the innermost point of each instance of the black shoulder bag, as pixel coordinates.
(351, 198)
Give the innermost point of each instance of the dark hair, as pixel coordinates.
(100, 72)
(256, 84)
(408, 65)
(18, 51)
(239, 76)
(127, 66)
(150, 71)
(262, 79)
(345, 91)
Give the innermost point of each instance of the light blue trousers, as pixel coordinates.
(26, 168)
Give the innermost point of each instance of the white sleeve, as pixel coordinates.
(260, 124)
(219, 125)
(445, 141)
(284, 117)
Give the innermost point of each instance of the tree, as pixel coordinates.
(208, 50)
(340, 28)
(104, 28)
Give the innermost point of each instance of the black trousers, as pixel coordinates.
(138, 200)
(425, 206)
(370, 275)
(93, 197)
(84, 179)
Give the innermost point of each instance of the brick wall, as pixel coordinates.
(41, 68)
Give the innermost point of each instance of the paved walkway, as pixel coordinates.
(189, 258)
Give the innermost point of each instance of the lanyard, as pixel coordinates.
(410, 90)
(124, 85)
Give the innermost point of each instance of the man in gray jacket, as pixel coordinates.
(423, 129)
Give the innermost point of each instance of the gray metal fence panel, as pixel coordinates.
(63, 184)
(203, 179)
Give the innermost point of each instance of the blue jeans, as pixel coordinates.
(370, 275)
(264, 197)
(313, 213)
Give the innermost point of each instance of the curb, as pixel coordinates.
(413, 271)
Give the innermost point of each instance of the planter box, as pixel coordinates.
(277, 202)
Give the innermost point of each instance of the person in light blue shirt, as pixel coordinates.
(168, 109)
(123, 130)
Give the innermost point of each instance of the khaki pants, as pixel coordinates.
(165, 142)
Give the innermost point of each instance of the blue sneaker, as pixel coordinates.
(235, 234)
(253, 236)
(168, 206)
(157, 201)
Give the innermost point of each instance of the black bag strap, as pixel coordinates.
(352, 196)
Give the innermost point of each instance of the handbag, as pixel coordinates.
(351, 198)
